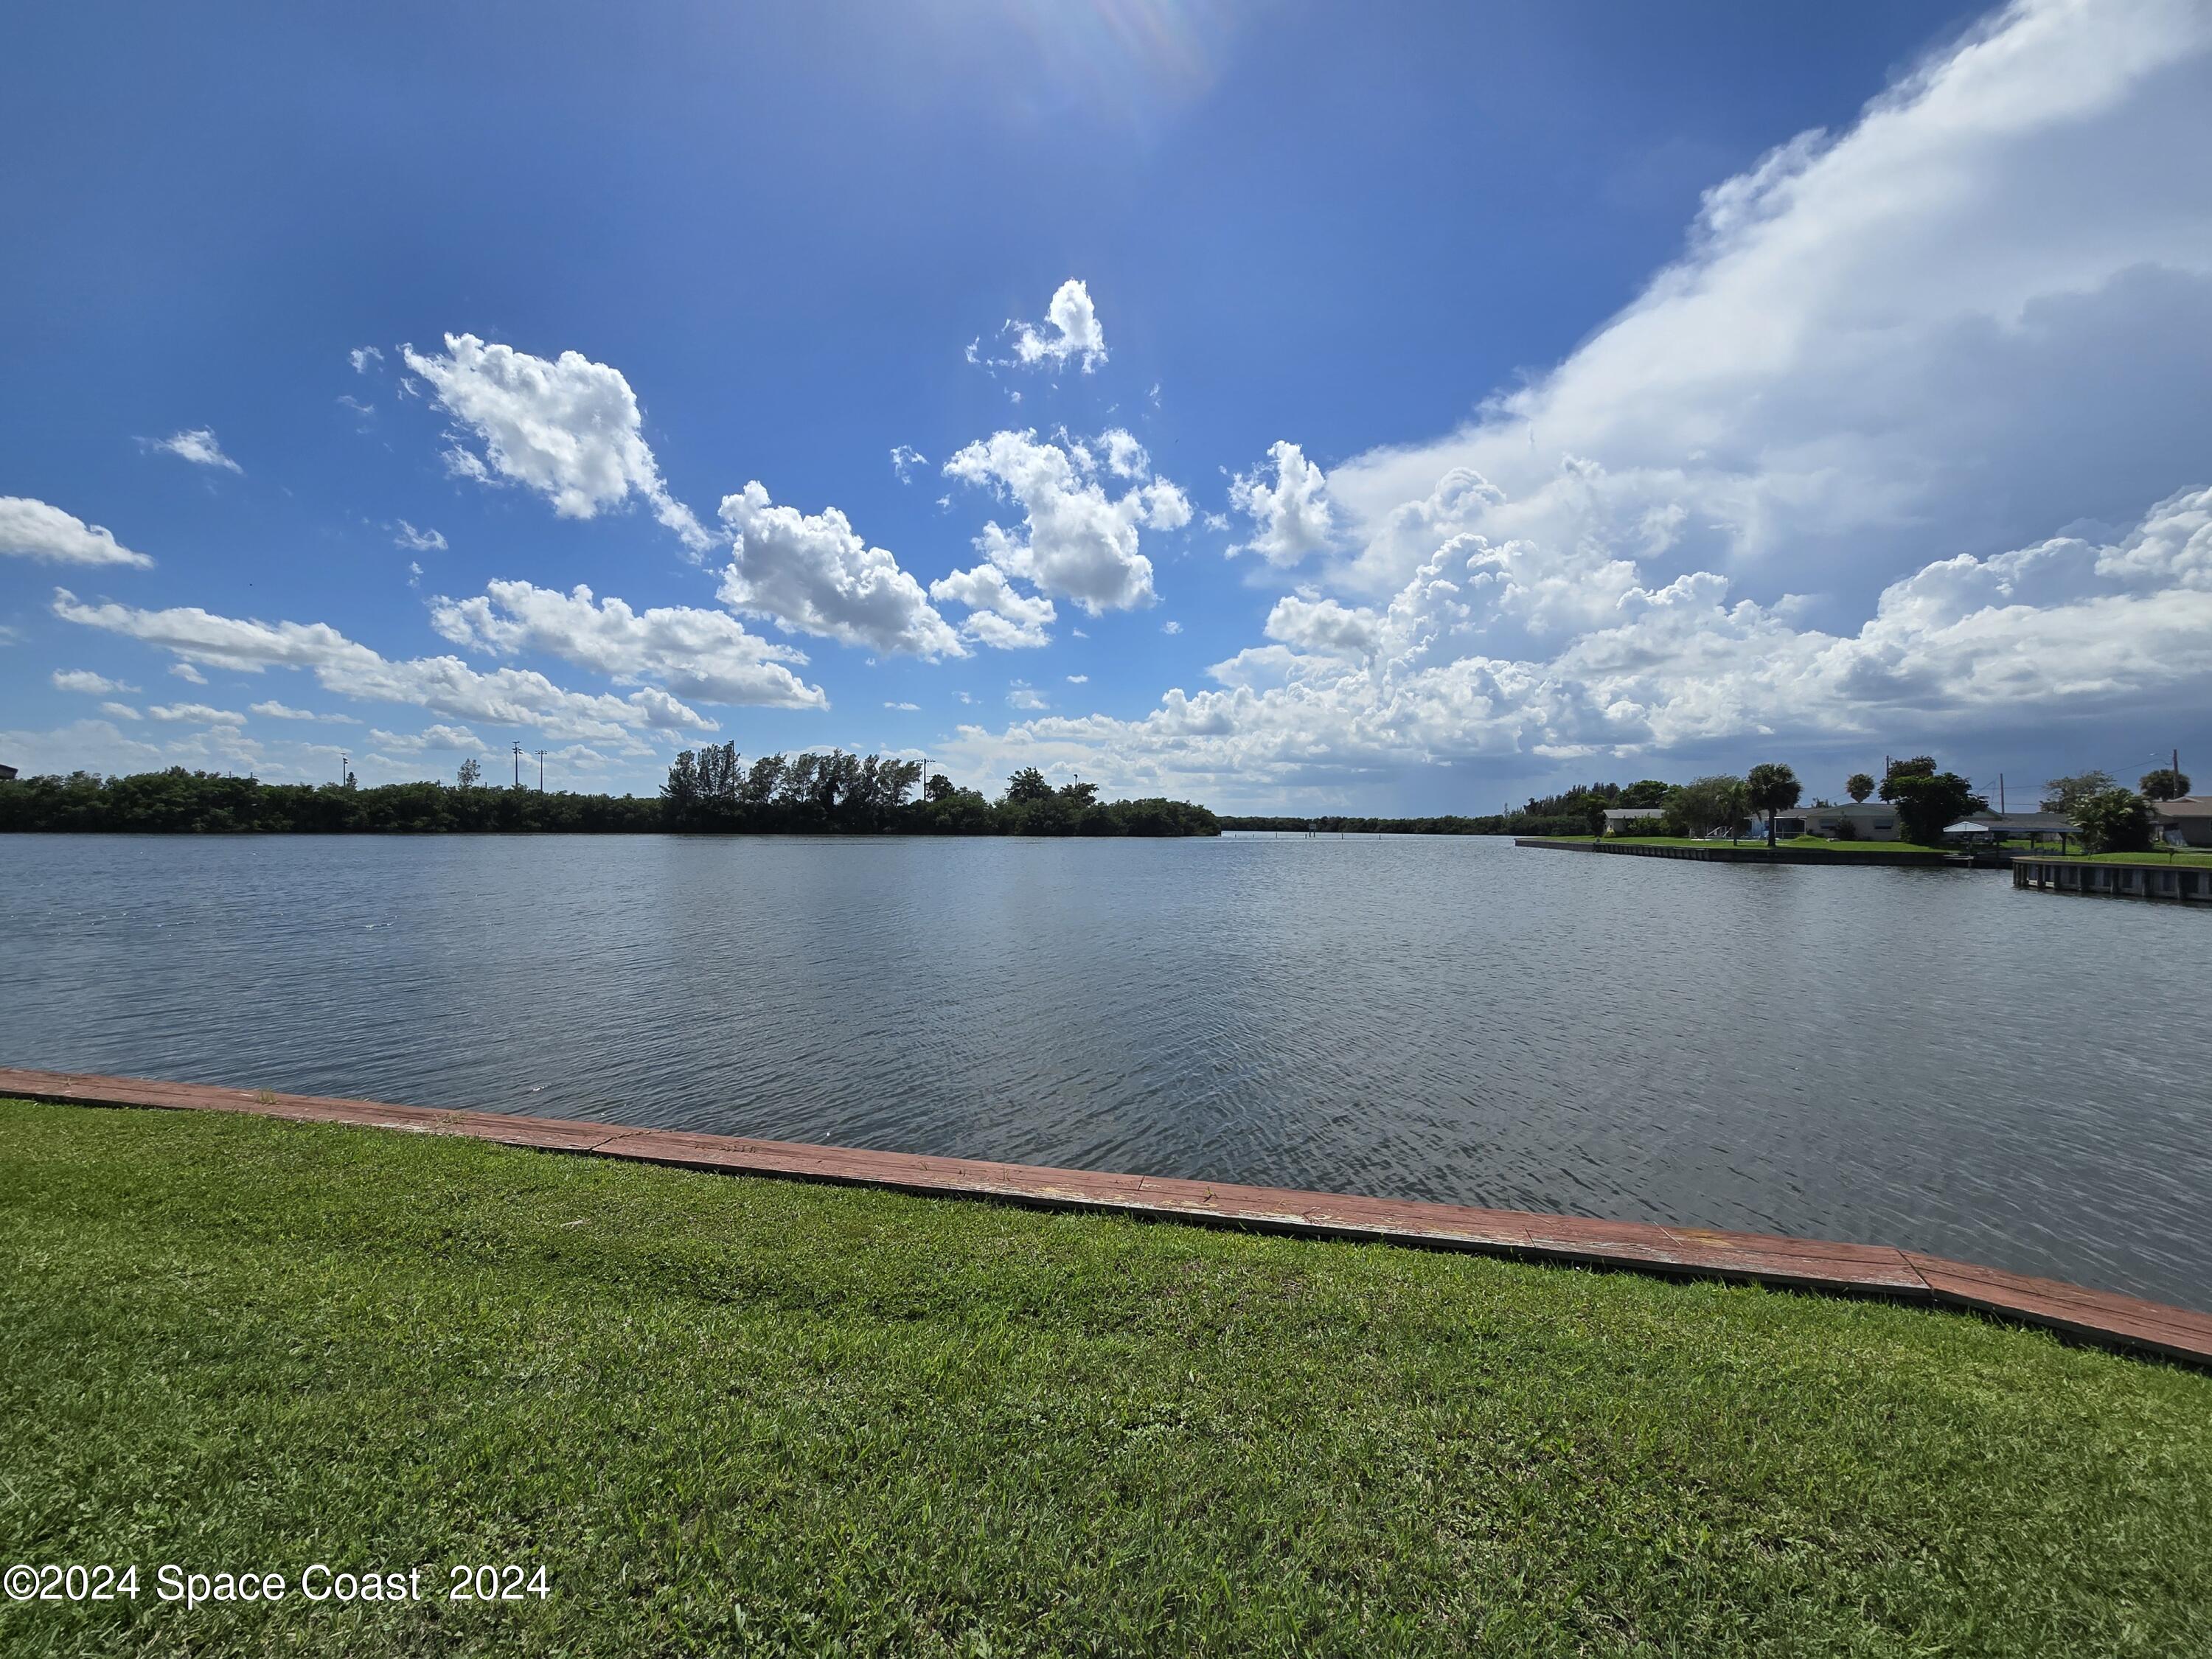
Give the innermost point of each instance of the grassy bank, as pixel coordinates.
(737, 1415)
(1790, 842)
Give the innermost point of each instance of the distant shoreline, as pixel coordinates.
(179, 802)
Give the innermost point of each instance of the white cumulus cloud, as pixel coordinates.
(418, 541)
(1071, 332)
(694, 652)
(84, 680)
(33, 530)
(1983, 309)
(569, 429)
(998, 615)
(1306, 623)
(1292, 519)
(813, 573)
(1076, 541)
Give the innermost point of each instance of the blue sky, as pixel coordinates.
(1421, 405)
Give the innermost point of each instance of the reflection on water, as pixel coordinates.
(1925, 1058)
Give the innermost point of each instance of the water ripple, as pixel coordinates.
(1924, 1058)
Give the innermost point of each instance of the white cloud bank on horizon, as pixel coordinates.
(570, 430)
(440, 685)
(1773, 498)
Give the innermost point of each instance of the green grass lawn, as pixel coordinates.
(734, 1415)
(2161, 857)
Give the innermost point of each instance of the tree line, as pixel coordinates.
(1927, 799)
(1570, 812)
(709, 791)
(2108, 818)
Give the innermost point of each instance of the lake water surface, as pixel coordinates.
(1922, 1058)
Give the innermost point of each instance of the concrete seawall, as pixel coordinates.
(2150, 878)
(1751, 853)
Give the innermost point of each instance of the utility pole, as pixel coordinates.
(344, 761)
(518, 765)
(925, 777)
(541, 771)
(2001, 806)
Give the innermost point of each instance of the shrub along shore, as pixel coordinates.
(730, 1415)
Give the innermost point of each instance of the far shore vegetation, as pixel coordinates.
(714, 790)
(734, 1416)
(2101, 818)
(709, 791)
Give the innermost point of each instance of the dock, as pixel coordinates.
(2138, 878)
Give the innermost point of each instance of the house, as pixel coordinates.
(1872, 820)
(2188, 820)
(6, 773)
(1632, 820)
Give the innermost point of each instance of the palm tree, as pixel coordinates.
(1771, 789)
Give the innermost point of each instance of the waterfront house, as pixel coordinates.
(1632, 820)
(1872, 820)
(2188, 820)
(6, 773)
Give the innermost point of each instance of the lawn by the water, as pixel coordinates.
(2159, 857)
(1813, 843)
(731, 1416)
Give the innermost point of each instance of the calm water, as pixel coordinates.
(1922, 1058)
